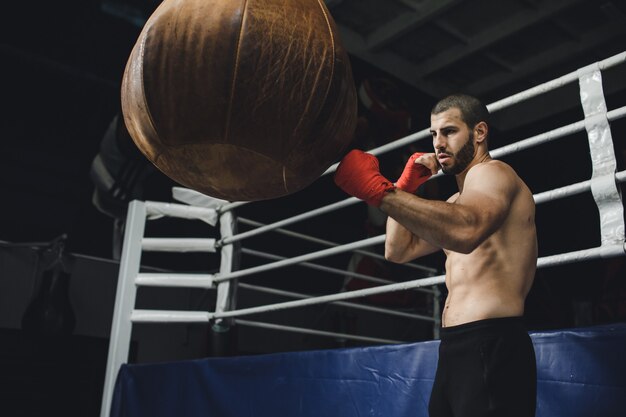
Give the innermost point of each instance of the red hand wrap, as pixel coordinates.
(358, 174)
(413, 175)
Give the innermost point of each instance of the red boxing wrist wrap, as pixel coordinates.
(414, 175)
(358, 174)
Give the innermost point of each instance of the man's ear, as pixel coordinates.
(480, 131)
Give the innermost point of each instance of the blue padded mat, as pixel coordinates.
(581, 372)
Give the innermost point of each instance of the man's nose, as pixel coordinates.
(438, 142)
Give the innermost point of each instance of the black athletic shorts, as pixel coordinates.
(485, 368)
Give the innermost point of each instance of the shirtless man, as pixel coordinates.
(487, 230)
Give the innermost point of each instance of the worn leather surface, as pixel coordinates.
(240, 100)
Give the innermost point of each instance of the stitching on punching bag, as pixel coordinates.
(235, 71)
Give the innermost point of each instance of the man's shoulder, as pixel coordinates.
(493, 165)
(494, 177)
(493, 169)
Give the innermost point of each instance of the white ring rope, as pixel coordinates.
(297, 259)
(554, 84)
(602, 252)
(366, 307)
(333, 244)
(290, 220)
(151, 316)
(325, 268)
(205, 281)
(315, 332)
(201, 316)
(571, 189)
(551, 135)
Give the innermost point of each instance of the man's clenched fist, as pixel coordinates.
(359, 175)
(415, 173)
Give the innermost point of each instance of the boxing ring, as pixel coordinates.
(581, 372)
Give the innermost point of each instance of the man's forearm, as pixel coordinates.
(442, 224)
(398, 242)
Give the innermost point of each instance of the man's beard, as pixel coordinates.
(463, 157)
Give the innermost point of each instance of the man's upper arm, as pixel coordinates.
(420, 247)
(488, 192)
(399, 250)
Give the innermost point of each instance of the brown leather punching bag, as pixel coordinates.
(240, 99)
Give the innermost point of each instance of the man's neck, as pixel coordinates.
(478, 159)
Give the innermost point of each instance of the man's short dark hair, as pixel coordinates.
(473, 111)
